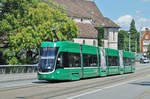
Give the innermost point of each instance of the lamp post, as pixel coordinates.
(129, 42)
(103, 34)
(136, 45)
(54, 28)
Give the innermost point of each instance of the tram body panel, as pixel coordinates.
(90, 61)
(129, 62)
(112, 61)
(72, 61)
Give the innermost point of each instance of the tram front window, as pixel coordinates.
(48, 58)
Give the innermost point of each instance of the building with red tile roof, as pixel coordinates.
(87, 16)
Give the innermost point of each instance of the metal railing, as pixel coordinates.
(9, 69)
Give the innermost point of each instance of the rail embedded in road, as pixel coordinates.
(46, 90)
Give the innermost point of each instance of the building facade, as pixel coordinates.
(144, 40)
(87, 16)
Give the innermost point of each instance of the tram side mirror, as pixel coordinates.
(59, 64)
(58, 59)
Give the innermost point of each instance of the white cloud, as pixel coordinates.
(145, 0)
(142, 22)
(138, 12)
(124, 22)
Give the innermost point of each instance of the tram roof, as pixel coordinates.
(128, 54)
(111, 52)
(87, 48)
(58, 44)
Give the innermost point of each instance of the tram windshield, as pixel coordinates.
(47, 58)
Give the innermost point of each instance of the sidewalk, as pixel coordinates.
(15, 77)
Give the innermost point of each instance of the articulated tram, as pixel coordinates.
(72, 61)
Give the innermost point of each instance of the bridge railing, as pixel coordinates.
(9, 69)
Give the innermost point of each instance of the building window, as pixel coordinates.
(77, 19)
(146, 43)
(144, 49)
(83, 41)
(113, 35)
(106, 34)
(146, 37)
(94, 42)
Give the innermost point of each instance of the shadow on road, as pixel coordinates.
(51, 81)
(61, 81)
(141, 83)
(65, 81)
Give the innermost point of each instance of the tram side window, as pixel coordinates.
(132, 61)
(127, 62)
(74, 60)
(67, 59)
(62, 60)
(89, 60)
(113, 61)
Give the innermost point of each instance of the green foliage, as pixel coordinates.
(14, 61)
(7, 54)
(13, 13)
(29, 22)
(123, 40)
(134, 36)
(148, 51)
(132, 30)
(100, 35)
(2, 57)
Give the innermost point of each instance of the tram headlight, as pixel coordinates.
(52, 76)
(48, 67)
(58, 72)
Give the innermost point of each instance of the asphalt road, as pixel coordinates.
(129, 86)
(138, 89)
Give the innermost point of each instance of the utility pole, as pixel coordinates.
(124, 44)
(129, 42)
(136, 45)
(57, 27)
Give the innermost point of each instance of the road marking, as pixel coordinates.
(115, 85)
(141, 68)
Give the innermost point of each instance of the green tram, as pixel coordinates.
(72, 61)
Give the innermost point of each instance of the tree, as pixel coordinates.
(123, 40)
(134, 36)
(100, 35)
(34, 23)
(12, 17)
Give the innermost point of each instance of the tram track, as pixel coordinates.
(93, 86)
(85, 85)
(39, 83)
(59, 89)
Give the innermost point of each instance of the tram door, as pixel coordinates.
(89, 61)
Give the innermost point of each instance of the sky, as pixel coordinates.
(123, 11)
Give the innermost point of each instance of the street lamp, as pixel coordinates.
(54, 28)
(136, 45)
(129, 42)
(103, 34)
